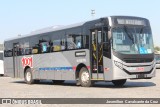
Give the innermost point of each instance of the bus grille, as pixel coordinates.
(137, 60)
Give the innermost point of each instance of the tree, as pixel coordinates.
(157, 48)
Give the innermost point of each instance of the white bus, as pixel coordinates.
(1, 64)
(114, 48)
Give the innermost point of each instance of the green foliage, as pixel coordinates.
(157, 48)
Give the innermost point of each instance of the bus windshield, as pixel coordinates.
(132, 40)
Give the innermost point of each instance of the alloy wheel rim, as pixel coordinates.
(28, 76)
(85, 77)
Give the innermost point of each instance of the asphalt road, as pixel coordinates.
(17, 88)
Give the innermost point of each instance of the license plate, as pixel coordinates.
(140, 76)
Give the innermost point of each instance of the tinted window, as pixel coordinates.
(1, 56)
(28, 51)
(74, 41)
(8, 53)
(56, 45)
(44, 47)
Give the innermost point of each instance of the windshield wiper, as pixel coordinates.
(141, 30)
(129, 35)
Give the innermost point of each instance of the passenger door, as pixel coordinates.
(15, 60)
(96, 52)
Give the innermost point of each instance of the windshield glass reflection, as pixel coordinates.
(132, 40)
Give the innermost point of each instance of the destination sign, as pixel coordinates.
(130, 21)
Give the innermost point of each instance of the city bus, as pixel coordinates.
(114, 49)
(157, 58)
(1, 64)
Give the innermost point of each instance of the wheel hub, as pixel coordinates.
(85, 77)
(28, 76)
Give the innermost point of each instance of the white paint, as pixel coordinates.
(1, 67)
(81, 60)
(110, 21)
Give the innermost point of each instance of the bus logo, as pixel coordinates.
(27, 61)
(140, 68)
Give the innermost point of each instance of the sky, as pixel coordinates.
(20, 17)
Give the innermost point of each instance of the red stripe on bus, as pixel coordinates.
(74, 68)
(88, 67)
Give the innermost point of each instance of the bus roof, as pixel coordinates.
(60, 27)
(47, 30)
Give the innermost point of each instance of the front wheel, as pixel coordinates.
(84, 77)
(119, 83)
(28, 76)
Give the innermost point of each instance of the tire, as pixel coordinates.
(58, 81)
(84, 77)
(119, 83)
(2, 75)
(29, 76)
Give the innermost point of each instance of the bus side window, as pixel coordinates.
(78, 41)
(85, 41)
(70, 42)
(21, 51)
(63, 46)
(106, 45)
(28, 51)
(56, 45)
(105, 41)
(44, 47)
(74, 41)
(36, 49)
(8, 53)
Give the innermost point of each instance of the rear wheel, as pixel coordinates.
(1, 74)
(119, 83)
(28, 76)
(84, 77)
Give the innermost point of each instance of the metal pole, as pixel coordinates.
(93, 13)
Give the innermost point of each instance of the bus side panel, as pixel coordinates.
(67, 72)
(108, 68)
(58, 65)
(8, 66)
(76, 60)
(40, 64)
(51, 66)
(20, 67)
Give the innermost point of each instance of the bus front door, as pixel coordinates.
(96, 55)
(15, 60)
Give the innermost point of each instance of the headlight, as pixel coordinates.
(118, 64)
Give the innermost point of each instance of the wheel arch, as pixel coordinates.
(78, 68)
(25, 70)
